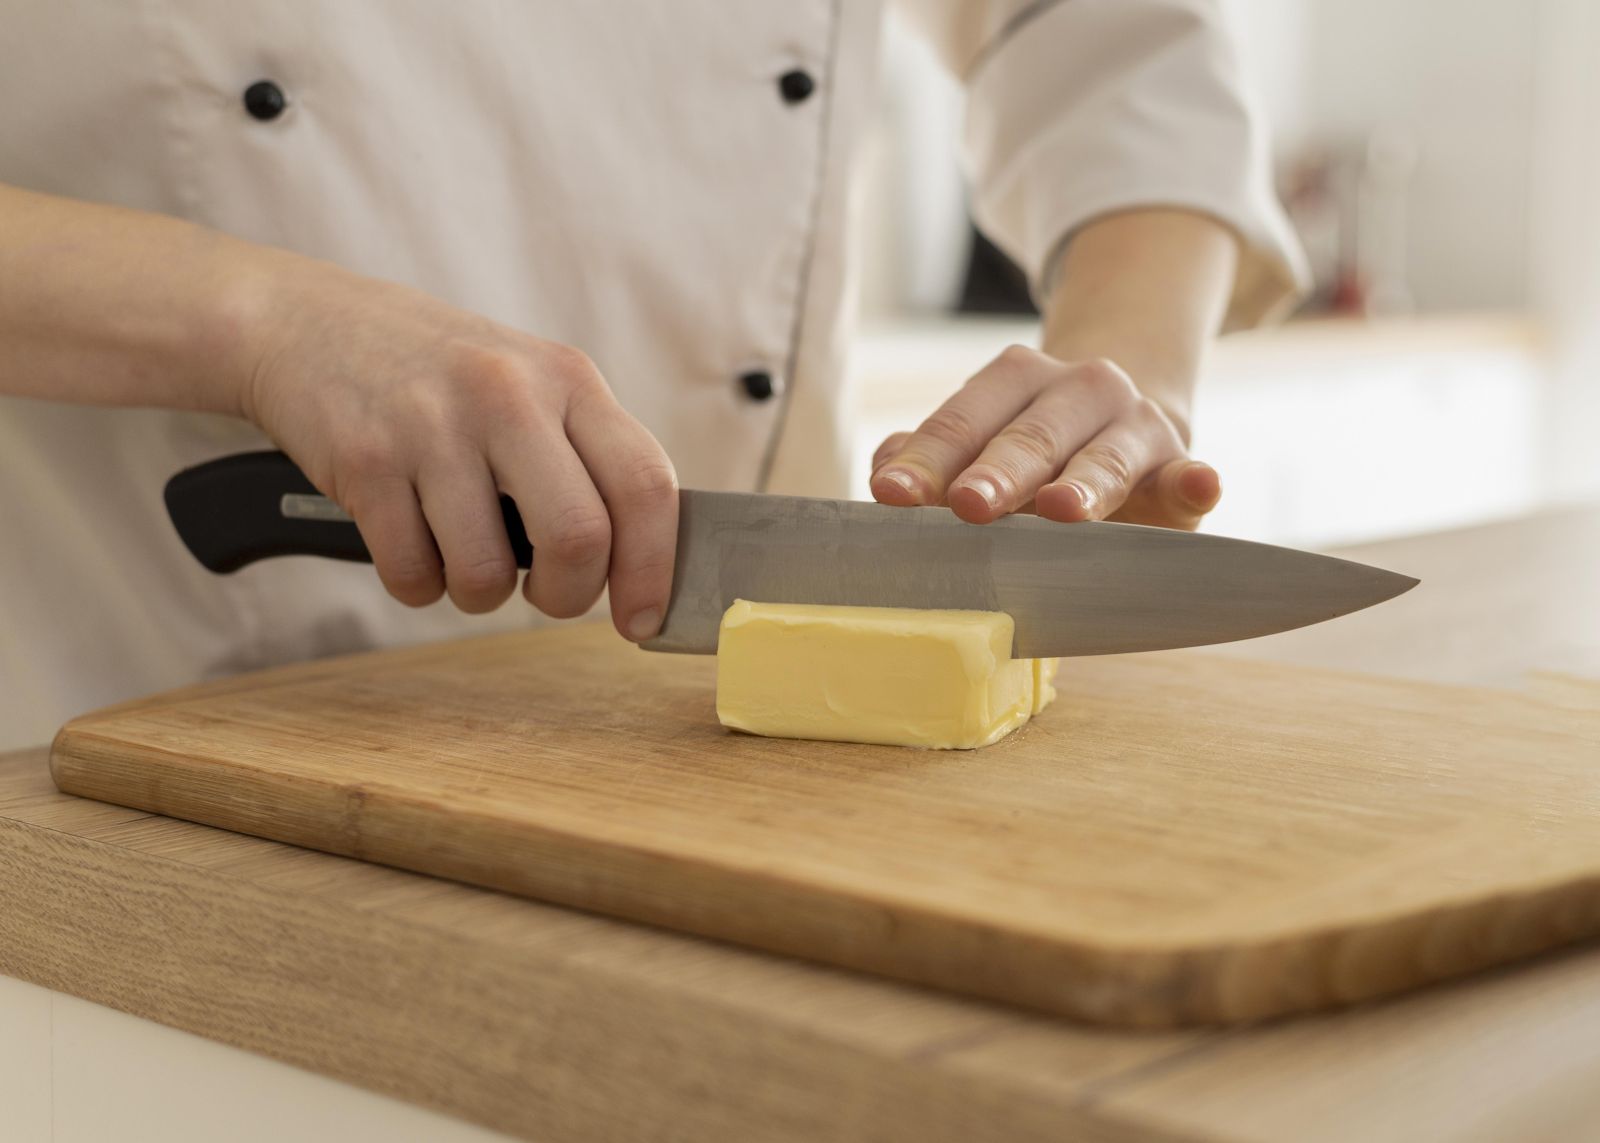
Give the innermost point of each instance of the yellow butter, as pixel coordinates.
(1044, 682)
(896, 676)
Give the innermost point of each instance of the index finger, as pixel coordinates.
(640, 488)
(925, 462)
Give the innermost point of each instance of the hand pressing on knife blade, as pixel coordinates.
(1095, 427)
(1069, 440)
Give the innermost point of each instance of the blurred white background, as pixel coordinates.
(1441, 159)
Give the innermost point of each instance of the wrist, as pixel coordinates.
(257, 298)
(226, 338)
(1146, 290)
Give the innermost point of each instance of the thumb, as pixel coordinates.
(1176, 495)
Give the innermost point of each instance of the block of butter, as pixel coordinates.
(889, 675)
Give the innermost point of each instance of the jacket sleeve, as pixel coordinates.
(1077, 108)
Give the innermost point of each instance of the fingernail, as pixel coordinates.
(1188, 495)
(1085, 497)
(900, 478)
(644, 624)
(985, 489)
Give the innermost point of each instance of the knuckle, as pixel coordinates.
(1103, 374)
(1146, 412)
(421, 402)
(1036, 440)
(491, 369)
(494, 382)
(571, 365)
(1111, 461)
(1021, 370)
(413, 578)
(580, 535)
(482, 571)
(951, 426)
(651, 480)
(1150, 416)
(366, 464)
(1018, 356)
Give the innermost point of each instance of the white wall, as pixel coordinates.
(1502, 101)
(1458, 78)
(1564, 256)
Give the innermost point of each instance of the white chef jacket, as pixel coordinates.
(635, 179)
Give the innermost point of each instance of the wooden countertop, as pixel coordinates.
(558, 1025)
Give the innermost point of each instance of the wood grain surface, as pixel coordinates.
(561, 1026)
(546, 1023)
(1181, 839)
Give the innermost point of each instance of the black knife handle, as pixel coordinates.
(229, 513)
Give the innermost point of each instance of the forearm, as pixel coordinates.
(102, 305)
(1146, 289)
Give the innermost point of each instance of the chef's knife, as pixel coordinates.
(1072, 589)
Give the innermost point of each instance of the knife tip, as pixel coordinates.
(1395, 584)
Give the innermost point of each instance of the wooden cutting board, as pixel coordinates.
(1181, 838)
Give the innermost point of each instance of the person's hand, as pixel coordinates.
(1070, 440)
(413, 415)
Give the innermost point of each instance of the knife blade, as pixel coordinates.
(1071, 589)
